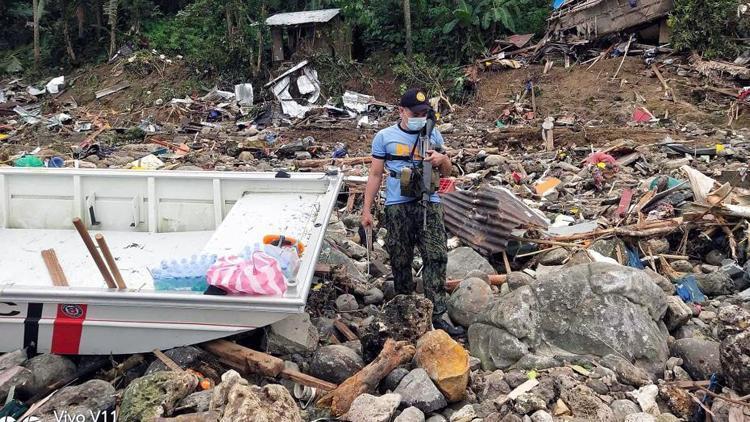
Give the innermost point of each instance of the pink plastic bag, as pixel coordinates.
(258, 275)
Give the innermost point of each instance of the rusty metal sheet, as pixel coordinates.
(485, 218)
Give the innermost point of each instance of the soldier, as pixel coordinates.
(395, 149)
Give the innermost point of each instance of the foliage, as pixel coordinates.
(199, 33)
(707, 26)
(334, 72)
(419, 71)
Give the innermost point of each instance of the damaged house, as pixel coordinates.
(308, 33)
(590, 19)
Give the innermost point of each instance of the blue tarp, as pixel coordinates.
(557, 3)
(687, 288)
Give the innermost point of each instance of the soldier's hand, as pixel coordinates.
(366, 219)
(435, 157)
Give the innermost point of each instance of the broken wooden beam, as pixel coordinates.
(111, 90)
(247, 360)
(167, 361)
(366, 380)
(84, 233)
(345, 330)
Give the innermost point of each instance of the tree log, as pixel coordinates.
(393, 354)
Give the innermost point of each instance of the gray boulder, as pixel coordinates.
(585, 404)
(410, 414)
(518, 279)
(555, 256)
(335, 363)
(391, 381)
(155, 395)
(346, 302)
(589, 309)
(463, 260)
(626, 372)
(91, 399)
(47, 369)
(468, 301)
(735, 361)
(17, 376)
(416, 389)
(332, 256)
(12, 359)
(369, 408)
(293, 334)
(623, 408)
(541, 416)
(700, 357)
(715, 283)
(678, 313)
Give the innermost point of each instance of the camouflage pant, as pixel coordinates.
(405, 230)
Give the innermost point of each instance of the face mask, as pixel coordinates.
(416, 123)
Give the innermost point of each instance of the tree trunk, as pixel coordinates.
(98, 18)
(37, 53)
(66, 30)
(407, 25)
(112, 10)
(81, 18)
(393, 354)
(228, 12)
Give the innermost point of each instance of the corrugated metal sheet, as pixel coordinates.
(486, 217)
(300, 18)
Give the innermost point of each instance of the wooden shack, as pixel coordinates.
(308, 33)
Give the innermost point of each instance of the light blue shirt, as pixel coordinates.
(395, 141)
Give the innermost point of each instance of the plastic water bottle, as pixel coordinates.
(183, 274)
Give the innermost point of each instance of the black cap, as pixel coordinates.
(415, 100)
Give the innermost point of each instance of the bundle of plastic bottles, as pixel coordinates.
(184, 274)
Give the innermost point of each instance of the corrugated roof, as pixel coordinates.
(486, 217)
(299, 18)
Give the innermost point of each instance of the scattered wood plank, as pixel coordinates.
(345, 330)
(248, 360)
(322, 269)
(393, 354)
(167, 361)
(111, 90)
(521, 389)
(622, 208)
(53, 266)
(627, 47)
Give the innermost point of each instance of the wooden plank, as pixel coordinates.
(110, 261)
(345, 330)
(627, 196)
(167, 361)
(322, 269)
(307, 380)
(84, 233)
(248, 360)
(53, 266)
(111, 90)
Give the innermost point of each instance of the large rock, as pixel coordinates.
(416, 389)
(332, 256)
(47, 369)
(626, 372)
(623, 408)
(700, 357)
(446, 363)
(678, 313)
(405, 317)
(588, 309)
(17, 376)
(369, 408)
(335, 363)
(715, 283)
(271, 403)
(155, 395)
(735, 361)
(586, 405)
(91, 399)
(410, 414)
(463, 260)
(646, 398)
(464, 414)
(468, 301)
(293, 334)
(11, 359)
